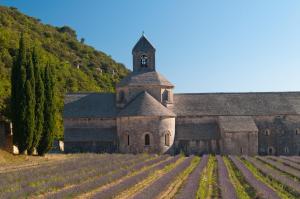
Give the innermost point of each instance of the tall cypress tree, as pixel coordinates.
(40, 100)
(29, 108)
(46, 141)
(18, 79)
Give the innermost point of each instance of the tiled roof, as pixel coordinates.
(143, 45)
(151, 78)
(145, 105)
(218, 104)
(90, 105)
(237, 124)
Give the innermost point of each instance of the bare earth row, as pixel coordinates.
(151, 176)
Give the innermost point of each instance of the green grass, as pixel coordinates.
(208, 181)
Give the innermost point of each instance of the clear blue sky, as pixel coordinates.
(201, 45)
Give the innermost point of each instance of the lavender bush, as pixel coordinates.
(227, 189)
(286, 162)
(260, 187)
(189, 190)
(109, 177)
(160, 184)
(133, 180)
(280, 166)
(277, 175)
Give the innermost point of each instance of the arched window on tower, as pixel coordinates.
(144, 61)
(165, 96)
(128, 140)
(167, 139)
(147, 140)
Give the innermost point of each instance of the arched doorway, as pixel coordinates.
(147, 139)
(271, 150)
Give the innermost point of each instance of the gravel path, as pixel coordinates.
(261, 188)
(281, 166)
(153, 190)
(277, 175)
(189, 190)
(227, 189)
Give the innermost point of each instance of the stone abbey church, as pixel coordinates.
(144, 115)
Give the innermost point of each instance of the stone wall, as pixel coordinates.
(278, 135)
(90, 135)
(239, 143)
(132, 132)
(197, 135)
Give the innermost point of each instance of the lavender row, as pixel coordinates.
(103, 180)
(260, 187)
(290, 159)
(286, 162)
(160, 185)
(277, 175)
(189, 190)
(227, 189)
(280, 166)
(131, 181)
(10, 177)
(44, 174)
(56, 181)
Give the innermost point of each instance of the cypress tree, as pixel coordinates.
(39, 101)
(18, 79)
(46, 141)
(29, 106)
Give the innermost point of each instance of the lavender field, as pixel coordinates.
(153, 176)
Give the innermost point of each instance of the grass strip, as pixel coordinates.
(208, 181)
(275, 185)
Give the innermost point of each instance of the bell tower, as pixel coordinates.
(143, 56)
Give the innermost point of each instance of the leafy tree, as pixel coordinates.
(46, 141)
(40, 100)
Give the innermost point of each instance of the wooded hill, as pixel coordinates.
(79, 67)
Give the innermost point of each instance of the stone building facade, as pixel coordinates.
(144, 115)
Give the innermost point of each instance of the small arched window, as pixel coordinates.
(165, 96)
(286, 149)
(297, 132)
(267, 132)
(144, 60)
(147, 140)
(128, 140)
(167, 139)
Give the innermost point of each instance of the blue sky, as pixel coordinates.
(201, 45)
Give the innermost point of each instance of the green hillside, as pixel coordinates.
(79, 67)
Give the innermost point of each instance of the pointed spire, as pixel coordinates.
(143, 44)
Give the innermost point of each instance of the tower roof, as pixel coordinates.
(145, 105)
(143, 45)
(152, 78)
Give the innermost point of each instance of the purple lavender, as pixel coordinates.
(260, 187)
(281, 167)
(161, 183)
(227, 189)
(189, 190)
(277, 175)
(131, 181)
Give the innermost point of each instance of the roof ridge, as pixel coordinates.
(262, 92)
